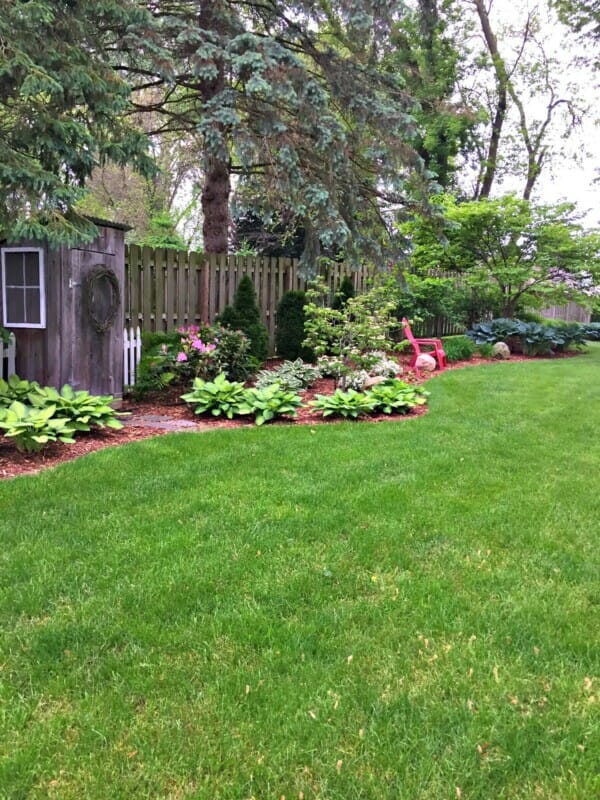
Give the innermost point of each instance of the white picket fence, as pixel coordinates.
(8, 353)
(132, 353)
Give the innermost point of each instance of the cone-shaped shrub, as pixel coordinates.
(244, 315)
(344, 293)
(289, 331)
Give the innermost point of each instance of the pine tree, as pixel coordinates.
(61, 109)
(344, 293)
(244, 315)
(291, 96)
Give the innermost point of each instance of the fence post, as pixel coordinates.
(132, 354)
(8, 354)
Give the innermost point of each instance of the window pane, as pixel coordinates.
(32, 306)
(15, 306)
(32, 269)
(15, 275)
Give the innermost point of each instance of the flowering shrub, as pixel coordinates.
(575, 283)
(194, 352)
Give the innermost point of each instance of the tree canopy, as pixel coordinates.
(291, 97)
(61, 109)
(535, 255)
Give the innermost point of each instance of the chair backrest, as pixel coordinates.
(407, 331)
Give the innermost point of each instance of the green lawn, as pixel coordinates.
(400, 610)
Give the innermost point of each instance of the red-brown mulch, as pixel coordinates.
(165, 413)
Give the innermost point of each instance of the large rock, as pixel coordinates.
(373, 380)
(426, 363)
(500, 350)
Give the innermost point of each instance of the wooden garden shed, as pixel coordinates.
(65, 307)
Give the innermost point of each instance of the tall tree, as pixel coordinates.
(61, 109)
(530, 107)
(290, 95)
(428, 58)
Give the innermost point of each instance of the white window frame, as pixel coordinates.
(42, 322)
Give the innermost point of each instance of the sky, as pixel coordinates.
(571, 177)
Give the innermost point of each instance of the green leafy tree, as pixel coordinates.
(244, 315)
(532, 255)
(162, 232)
(62, 109)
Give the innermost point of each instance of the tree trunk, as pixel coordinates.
(215, 206)
(502, 80)
(217, 178)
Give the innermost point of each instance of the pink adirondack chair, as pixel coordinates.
(437, 350)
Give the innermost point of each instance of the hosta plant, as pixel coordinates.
(81, 408)
(218, 397)
(348, 404)
(272, 401)
(293, 375)
(16, 388)
(397, 397)
(32, 428)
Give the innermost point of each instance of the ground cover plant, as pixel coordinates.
(395, 611)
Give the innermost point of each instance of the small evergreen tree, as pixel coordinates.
(244, 315)
(344, 293)
(289, 331)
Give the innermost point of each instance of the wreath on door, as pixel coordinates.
(103, 297)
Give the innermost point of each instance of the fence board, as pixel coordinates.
(148, 275)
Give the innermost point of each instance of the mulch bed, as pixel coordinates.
(155, 416)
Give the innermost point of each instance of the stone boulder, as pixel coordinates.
(500, 350)
(426, 363)
(373, 380)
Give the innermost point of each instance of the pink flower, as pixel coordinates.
(182, 357)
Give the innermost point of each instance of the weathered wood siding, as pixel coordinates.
(69, 349)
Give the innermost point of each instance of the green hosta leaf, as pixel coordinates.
(217, 397)
(396, 396)
(349, 404)
(272, 401)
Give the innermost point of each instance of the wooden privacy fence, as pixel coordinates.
(8, 353)
(168, 289)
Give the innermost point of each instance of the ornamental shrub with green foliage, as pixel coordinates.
(80, 408)
(458, 348)
(244, 315)
(397, 397)
(33, 416)
(16, 388)
(344, 293)
(272, 401)
(363, 325)
(289, 330)
(350, 404)
(32, 428)
(218, 397)
(295, 375)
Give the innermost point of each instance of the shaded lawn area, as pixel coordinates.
(395, 610)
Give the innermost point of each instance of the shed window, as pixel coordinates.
(23, 290)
